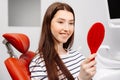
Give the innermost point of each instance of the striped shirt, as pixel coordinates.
(72, 60)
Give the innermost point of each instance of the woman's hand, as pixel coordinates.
(88, 68)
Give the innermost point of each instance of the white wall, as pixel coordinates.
(32, 32)
(87, 12)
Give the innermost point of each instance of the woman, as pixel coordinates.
(55, 60)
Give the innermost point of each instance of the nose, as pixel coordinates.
(66, 27)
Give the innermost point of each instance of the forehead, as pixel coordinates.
(64, 14)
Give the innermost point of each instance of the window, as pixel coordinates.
(23, 12)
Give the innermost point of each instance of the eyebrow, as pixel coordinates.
(64, 19)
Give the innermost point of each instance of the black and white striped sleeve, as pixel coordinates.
(37, 70)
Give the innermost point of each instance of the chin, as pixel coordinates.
(64, 41)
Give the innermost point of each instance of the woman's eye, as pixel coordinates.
(71, 23)
(60, 22)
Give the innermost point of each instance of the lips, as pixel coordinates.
(64, 34)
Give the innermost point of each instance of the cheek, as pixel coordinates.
(54, 29)
(72, 30)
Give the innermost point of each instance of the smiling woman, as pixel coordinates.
(23, 12)
(55, 60)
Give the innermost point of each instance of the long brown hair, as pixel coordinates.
(46, 45)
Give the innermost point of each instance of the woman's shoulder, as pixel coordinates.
(37, 59)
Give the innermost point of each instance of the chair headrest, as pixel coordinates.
(19, 40)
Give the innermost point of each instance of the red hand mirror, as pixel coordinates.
(95, 36)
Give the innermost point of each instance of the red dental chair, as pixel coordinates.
(18, 67)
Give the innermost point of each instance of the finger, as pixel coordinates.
(91, 71)
(91, 64)
(90, 58)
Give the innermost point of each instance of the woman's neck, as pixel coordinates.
(59, 48)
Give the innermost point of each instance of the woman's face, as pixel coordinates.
(62, 26)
